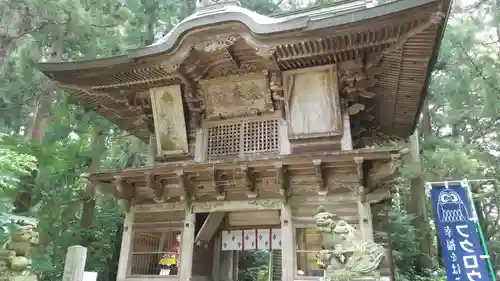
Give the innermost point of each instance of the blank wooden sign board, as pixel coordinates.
(89, 276)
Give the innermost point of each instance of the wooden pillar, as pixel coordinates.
(364, 208)
(285, 146)
(365, 220)
(302, 257)
(236, 263)
(287, 243)
(346, 141)
(226, 266)
(217, 254)
(187, 246)
(199, 149)
(123, 263)
(152, 150)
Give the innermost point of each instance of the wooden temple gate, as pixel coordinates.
(259, 121)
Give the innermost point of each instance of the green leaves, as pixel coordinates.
(14, 163)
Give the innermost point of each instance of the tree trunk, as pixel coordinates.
(36, 134)
(417, 206)
(112, 265)
(426, 119)
(39, 125)
(6, 47)
(97, 147)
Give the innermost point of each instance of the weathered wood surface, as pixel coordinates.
(312, 102)
(230, 180)
(114, 87)
(209, 227)
(170, 127)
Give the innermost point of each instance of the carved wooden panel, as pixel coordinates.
(236, 95)
(170, 125)
(312, 102)
(241, 205)
(260, 218)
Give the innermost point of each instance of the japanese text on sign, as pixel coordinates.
(462, 250)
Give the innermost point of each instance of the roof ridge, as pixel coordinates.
(312, 8)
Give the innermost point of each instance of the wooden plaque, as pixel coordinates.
(170, 124)
(312, 102)
(236, 95)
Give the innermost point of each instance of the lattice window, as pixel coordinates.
(261, 136)
(224, 140)
(155, 253)
(245, 137)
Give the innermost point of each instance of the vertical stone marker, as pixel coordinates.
(75, 263)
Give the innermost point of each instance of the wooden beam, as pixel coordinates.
(340, 158)
(163, 207)
(237, 206)
(378, 195)
(209, 227)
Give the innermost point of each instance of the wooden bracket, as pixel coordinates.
(158, 188)
(282, 179)
(184, 186)
(125, 191)
(268, 58)
(230, 58)
(276, 88)
(359, 168)
(214, 176)
(320, 177)
(249, 181)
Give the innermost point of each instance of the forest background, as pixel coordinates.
(47, 142)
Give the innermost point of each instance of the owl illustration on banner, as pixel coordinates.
(451, 208)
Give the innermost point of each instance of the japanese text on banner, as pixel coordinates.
(458, 234)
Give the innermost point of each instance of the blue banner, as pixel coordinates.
(461, 247)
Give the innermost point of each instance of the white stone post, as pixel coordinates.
(75, 263)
